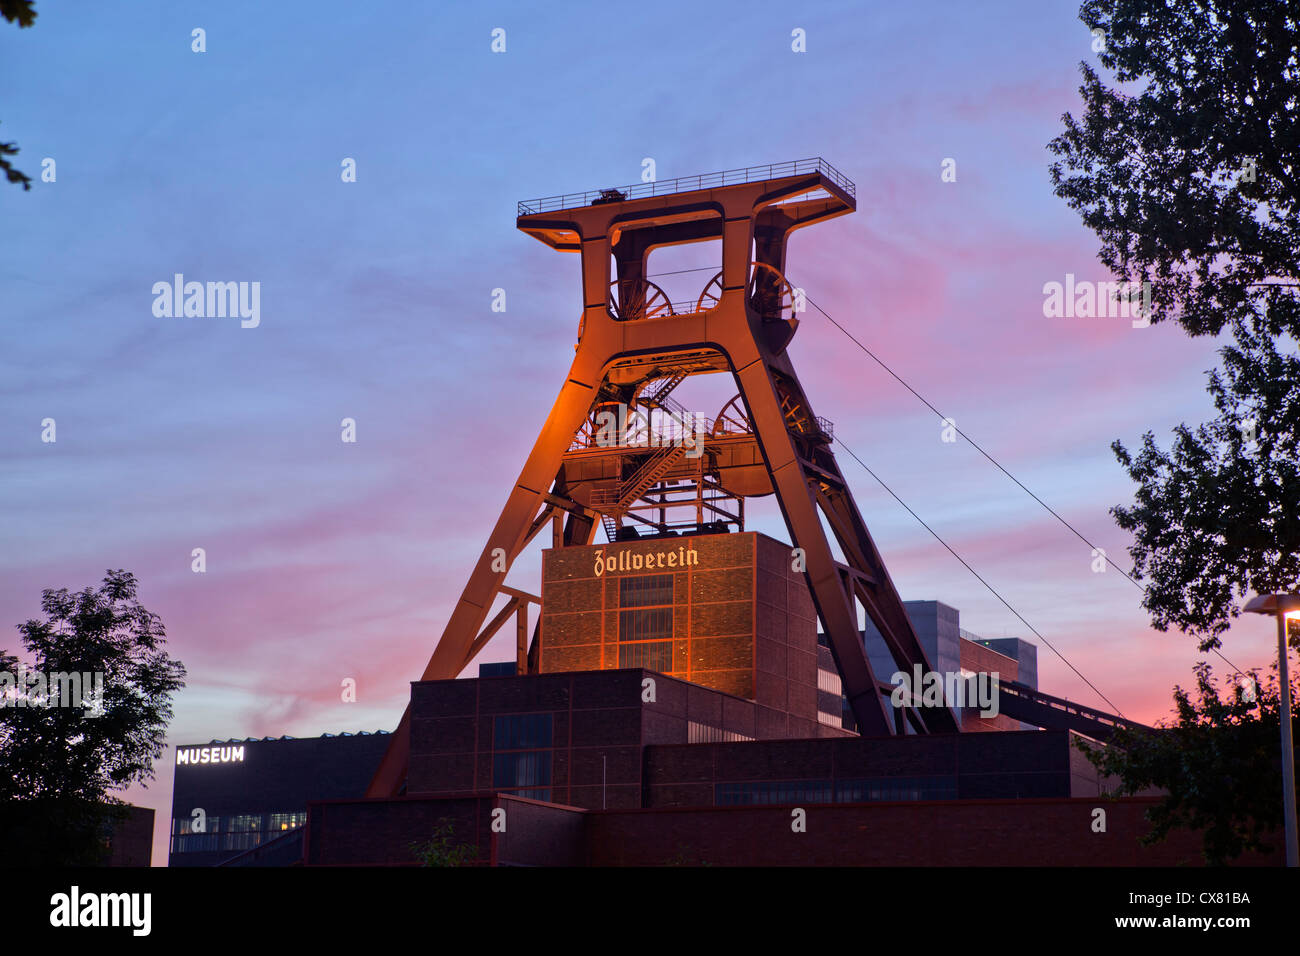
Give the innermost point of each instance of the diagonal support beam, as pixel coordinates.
(753, 217)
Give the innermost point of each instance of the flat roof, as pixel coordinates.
(258, 740)
(683, 184)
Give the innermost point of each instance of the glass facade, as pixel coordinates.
(234, 832)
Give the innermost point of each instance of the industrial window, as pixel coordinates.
(646, 624)
(240, 831)
(774, 791)
(522, 732)
(526, 773)
(646, 591)
(895, 788)
(839, 791)
(286, 821)
(652, 655)
(244, 823)
(525, 767)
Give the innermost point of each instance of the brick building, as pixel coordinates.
(253, 792)
(720, 611)
(684, 705)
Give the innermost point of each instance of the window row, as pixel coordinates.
(238, 832)
(863, 790)
(238, 823)
(209, 842)
(652, 655)
(645, 591)
(646, 624)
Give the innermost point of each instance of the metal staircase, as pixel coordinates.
(613, 503)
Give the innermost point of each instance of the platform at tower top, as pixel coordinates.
(685, 184)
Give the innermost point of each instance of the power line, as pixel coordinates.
(991, 459)
(978, 448)
(967, 566)
(679, 272)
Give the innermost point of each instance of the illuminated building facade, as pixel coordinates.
(230, 797)
(724, 611)
(675, 684)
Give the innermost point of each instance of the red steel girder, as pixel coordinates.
(749, 216)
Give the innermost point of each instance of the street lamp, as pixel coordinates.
(1285, 607)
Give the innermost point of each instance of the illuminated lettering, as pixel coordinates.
(202, 755)
(627, 561)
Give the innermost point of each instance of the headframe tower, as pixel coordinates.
(634, 347)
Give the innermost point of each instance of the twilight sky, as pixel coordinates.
(328, 560)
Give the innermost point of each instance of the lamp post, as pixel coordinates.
(1284, 607)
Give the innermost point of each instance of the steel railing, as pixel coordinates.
(661, 433)
(666, 187)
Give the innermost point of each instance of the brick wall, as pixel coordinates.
(132, 840)
(380, 832)
(743, 620)
(1043, 832)
(1050, 832)
(600, 722)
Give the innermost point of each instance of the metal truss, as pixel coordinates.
(634, 347)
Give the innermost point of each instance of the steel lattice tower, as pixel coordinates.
(634, 347)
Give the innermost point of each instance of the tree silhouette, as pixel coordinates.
(1217, 761)
(1217, 516)
(23, 13)
(59, 758)
(1191, 177)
